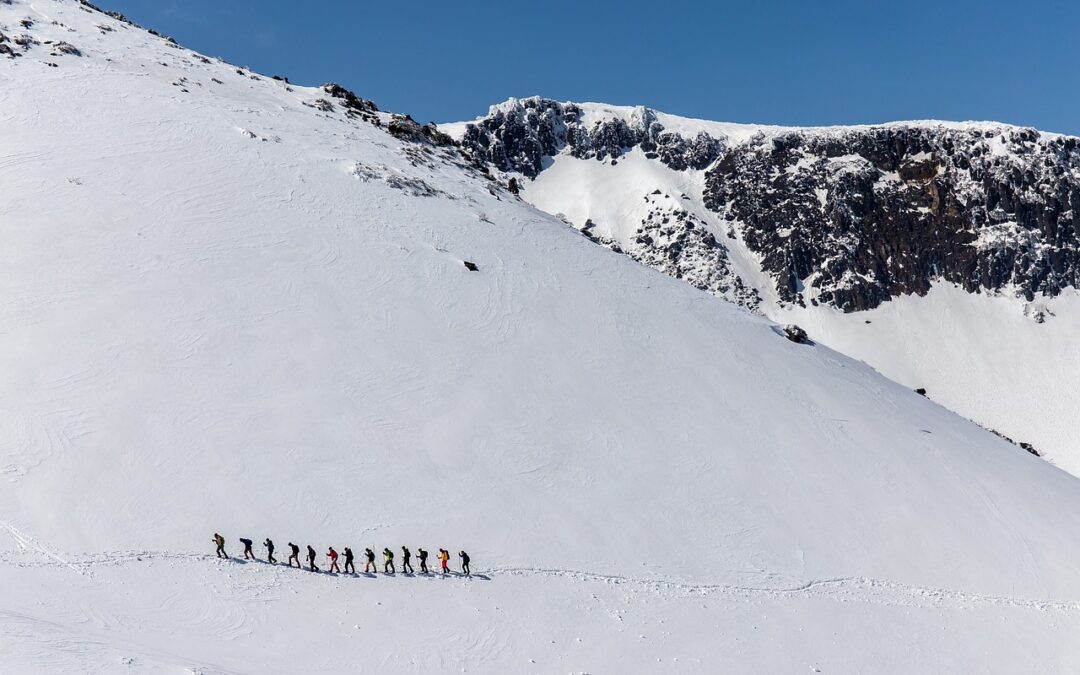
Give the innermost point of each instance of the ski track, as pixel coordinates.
(853, 589)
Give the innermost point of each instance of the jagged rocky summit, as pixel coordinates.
(847, 216)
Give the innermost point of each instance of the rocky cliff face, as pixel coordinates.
(519, 134)
(847, 216)
(862, 215)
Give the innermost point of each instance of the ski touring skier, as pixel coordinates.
(294, 554)
(349, 561)
(219, 541)
(333, 556)
(311, 559)
(388, 566)
(444, 558)
(422, 554)
(248, 555)
(269, 551)
(370, 566)
(406, 556)
(464, 563)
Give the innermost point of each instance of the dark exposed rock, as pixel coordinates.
(512, 186)
(850, 217)
(5, 48)
(1025, 446)
(672, 240)
(405, 127)
(65, 48)
(863, 215)
(920, 391)
(471, 266)
(348, 98)
(796, 334)
(519, 134)
(321, 104)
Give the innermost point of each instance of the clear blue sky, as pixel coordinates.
(796, 62)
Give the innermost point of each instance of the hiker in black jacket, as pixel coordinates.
(348, 561)
(269, 551)
(370, 566)
(464, 562)
(248, 555)
(294, 555)
(406, 556)
(423, 560)
(311, 559)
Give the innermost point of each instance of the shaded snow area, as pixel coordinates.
(227, 307)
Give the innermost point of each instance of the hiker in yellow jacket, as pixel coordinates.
(220, 541)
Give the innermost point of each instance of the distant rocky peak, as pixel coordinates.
(519, 133)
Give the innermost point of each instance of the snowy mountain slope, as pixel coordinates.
(811, 224)
(228, 306)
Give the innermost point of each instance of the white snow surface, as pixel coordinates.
(223, 310)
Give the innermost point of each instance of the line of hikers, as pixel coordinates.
(332, 555)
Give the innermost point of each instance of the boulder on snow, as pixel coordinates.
(796, 334)
(471, 266)
(920, 391)
(1030, 448)
(67, 48)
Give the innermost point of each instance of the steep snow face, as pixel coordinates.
(810, 224)
(235, 305)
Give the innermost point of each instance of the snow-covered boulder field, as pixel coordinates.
(231, 304)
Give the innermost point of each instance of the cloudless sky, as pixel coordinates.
(797, 62)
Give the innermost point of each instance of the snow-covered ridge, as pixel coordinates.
(815, 205)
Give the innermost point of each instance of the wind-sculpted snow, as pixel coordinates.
(226, 309)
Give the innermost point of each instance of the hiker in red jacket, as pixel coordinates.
(333, 560)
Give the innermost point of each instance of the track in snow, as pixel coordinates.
(842, 589)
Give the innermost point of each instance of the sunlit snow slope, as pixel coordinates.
(225, 310)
